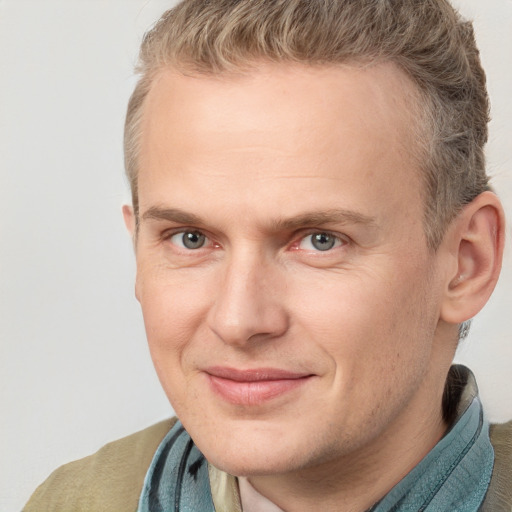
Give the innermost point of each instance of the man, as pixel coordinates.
(313, 228)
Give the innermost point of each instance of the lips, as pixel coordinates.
(253, 386)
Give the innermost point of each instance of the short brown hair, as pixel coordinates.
(427, 39)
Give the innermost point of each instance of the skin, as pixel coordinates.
(258, 163)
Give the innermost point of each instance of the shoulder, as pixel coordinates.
(499, 495)
(109, 480)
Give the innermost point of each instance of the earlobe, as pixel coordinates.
(477, 239)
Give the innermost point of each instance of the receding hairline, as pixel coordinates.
(411, 99)
(429, 40)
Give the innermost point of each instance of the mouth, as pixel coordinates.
(253, 386)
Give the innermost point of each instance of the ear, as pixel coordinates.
(475, 241)
(129, 219)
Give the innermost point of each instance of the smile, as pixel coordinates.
(253, 387)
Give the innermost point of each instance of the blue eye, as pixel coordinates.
(189, 239)
(320, 242)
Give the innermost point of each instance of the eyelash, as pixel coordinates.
(171, 234)
(338, 241)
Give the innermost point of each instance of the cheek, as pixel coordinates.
(171, 323)
(363, 321)
(171, 299)
(378, 338)
(173, 307)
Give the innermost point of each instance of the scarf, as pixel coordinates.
(453, 476)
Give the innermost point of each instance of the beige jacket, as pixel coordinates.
(111, 480)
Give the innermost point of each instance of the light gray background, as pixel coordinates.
(74, 368)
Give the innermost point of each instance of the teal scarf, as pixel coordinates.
(453, 477)
(177, 480)
(455, 474)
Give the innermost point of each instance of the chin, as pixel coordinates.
(250, 464)
(245, 445)
(253, 455)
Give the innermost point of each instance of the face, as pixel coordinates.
(290, 301)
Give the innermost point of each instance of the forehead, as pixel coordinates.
(304, 94)
(310, 126)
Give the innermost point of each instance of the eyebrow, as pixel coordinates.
(307, 219)
(318, 218)
(171, 215)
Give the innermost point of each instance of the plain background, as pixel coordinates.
(74, 367)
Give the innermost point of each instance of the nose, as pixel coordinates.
(249, 305)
